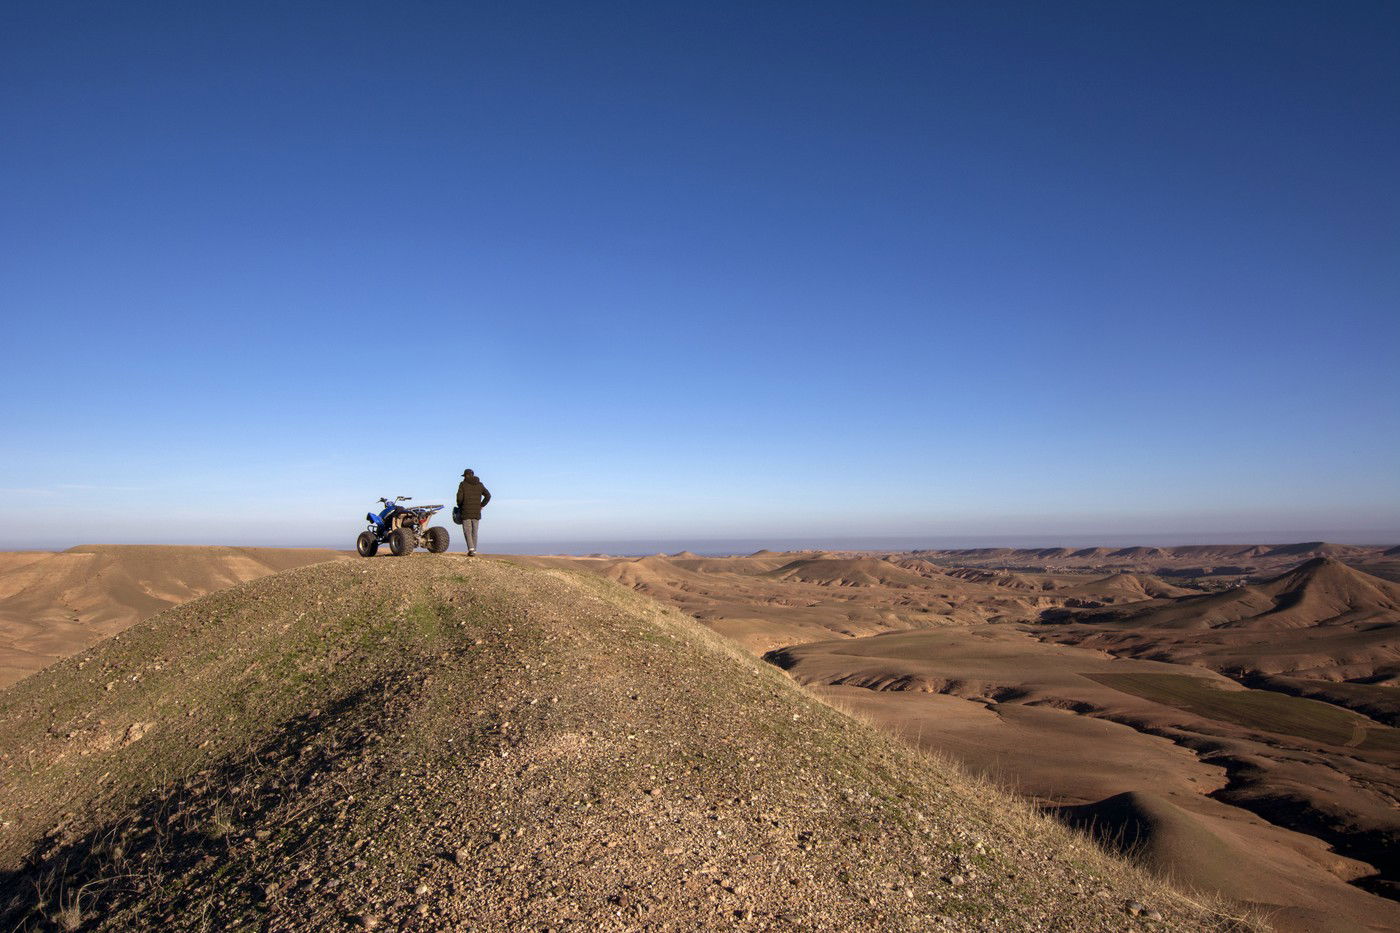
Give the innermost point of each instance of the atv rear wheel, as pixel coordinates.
(402, 541)
(367, 544)
(437, 539)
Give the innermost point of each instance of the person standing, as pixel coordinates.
(472, 496)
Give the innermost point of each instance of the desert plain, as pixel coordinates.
(1224, 716)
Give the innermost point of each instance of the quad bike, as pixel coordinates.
(404, 529)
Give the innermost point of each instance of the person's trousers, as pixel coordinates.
(469, 526)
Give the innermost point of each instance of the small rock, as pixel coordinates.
(461, 856)
(955, 880)
(421, 890)
(1153, 915)
(1134, 908)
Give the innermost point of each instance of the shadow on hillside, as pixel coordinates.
(195, 828)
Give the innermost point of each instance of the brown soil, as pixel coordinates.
(1105, 683)
(1197, 560)
(1296, 794)
(53, 605)
(430, 743)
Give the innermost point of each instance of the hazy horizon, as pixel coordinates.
(711, 547)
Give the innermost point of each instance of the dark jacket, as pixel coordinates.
(472, 496)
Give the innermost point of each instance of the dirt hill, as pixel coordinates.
(1174, 841)
(1321, 591)
(1221, 561)
(55, 604)
(859, 571)
(432, 742)
(1312, 549)
(782, 599)
(1326, 591)
(1003, 578)
(1129, 587)
(1322, 623)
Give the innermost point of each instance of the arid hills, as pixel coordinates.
(1243, 697)
(1224, 716)
(437, 742)
(55, 604)
(1196, 560)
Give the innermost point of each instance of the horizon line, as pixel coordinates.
(737, 545)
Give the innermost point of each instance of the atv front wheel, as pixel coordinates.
(438, 540)
(402, 541)
(367, 544)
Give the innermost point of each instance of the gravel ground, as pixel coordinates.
(436, 742)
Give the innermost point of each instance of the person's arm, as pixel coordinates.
(485, 496)
(460, 488)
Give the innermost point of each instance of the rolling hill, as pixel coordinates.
(1321, 621)
(856, 571)
(55, 604)
(1191, 560)
(434, 742)
(1321, 591)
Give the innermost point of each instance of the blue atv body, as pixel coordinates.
(403, 528)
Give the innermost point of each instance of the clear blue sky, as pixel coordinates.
(700, 271)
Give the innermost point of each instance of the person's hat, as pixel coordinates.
(467, 472)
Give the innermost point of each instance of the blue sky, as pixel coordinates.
(702, 271)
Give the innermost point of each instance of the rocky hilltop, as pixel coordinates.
(435, 742)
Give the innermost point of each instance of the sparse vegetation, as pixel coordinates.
(426, 742)
(1257, 709)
